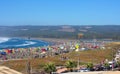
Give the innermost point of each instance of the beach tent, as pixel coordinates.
(50, 48)
(61, 47)
(13, 50)
(3, 53)
(77, 46)
(103, 47)
(43, 50)
(82, 49)
(72, 47)
(8, 51)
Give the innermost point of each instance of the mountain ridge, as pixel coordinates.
(62, 31)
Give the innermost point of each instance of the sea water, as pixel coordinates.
(9, 43)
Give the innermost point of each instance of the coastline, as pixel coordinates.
(55, 40)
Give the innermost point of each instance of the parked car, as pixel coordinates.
(83, 70)
(112, 63)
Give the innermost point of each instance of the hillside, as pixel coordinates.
(89, 32)
(94, 56)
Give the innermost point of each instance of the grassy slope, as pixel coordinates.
(95, 56)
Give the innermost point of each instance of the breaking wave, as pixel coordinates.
(3, 39)
(27, 43)
(6, 43)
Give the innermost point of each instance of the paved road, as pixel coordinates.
(97, 72)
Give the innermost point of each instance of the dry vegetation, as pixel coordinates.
(95, 56)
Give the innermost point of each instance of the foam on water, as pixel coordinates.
(3, 39)
(27, 43)
(20, 43)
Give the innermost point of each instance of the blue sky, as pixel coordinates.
(59, 12)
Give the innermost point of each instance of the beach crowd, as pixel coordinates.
(58, 48)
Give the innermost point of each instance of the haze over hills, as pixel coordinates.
(63, 31)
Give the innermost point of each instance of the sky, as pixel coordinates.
(59, 12)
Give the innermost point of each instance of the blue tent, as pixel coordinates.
(3, 53)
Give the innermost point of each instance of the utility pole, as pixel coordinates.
(28, 61)
(78, 62)
(113, 60)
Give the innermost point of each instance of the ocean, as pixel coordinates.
(10, 43)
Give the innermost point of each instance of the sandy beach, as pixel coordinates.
(55, 40)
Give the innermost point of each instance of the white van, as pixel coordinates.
(112, 63)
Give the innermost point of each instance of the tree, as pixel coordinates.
(71, 64)
(106, 65)
(90, 66)
(118, 63)
(50, 67)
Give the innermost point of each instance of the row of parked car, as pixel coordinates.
(111, 65)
